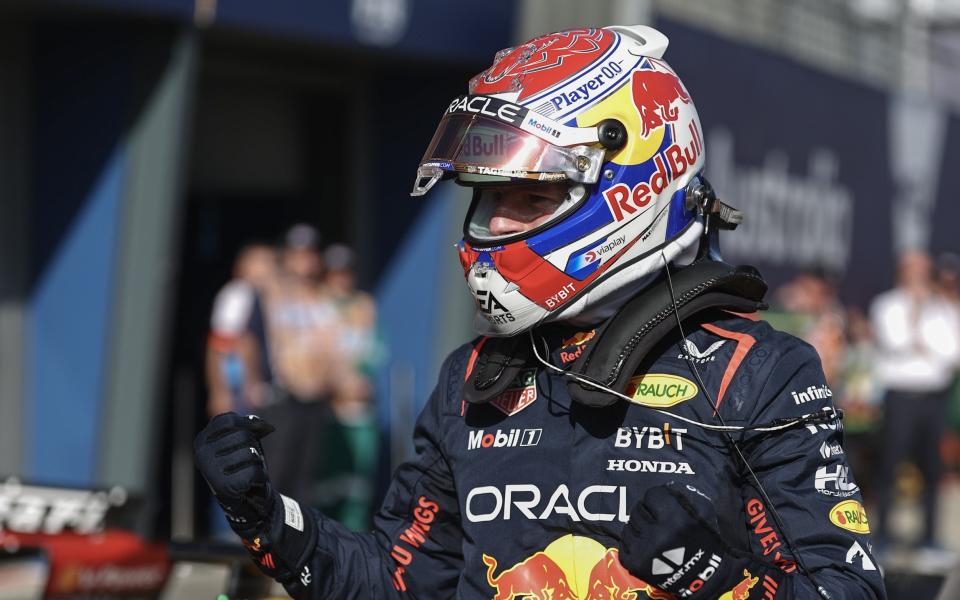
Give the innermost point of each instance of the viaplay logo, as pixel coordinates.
(570, 568)
(592, 256)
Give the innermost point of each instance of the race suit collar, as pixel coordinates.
(611, 352)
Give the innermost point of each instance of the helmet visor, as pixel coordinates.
(478, 145)
(540, 206)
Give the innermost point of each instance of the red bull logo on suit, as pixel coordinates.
(570, 568)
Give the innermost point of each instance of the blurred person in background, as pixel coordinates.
(578, 448)
(348, 461)
(948, 281)
(859, 395)
(917, 331)
(302, 324)
(809, 308)
(238, 370)
(238, 357)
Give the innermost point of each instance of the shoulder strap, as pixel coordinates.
(625, 339)
(498, 362)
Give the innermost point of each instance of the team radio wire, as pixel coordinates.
(831, 415)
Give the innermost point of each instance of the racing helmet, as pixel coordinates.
(599, 112)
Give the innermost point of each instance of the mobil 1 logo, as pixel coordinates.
(511, 438)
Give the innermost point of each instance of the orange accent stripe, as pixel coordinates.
(745, 342)
(473, 358)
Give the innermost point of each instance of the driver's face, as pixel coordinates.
(520, 208)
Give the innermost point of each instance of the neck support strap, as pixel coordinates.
(624, 340)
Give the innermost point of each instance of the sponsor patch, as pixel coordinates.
(411, 539)
(812, 392)
(510, 438)
(856, 554)
(767, 536)
(649, 466)
(292, 515)
(741, 591)
(835, 482)
(661, 390)
(692, 352)
(851, 516)
(650, 437)
(569, 567)
(528, 501)
(521, 393)
(573, 347)
(828, 450)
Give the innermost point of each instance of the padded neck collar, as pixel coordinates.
(623, 341)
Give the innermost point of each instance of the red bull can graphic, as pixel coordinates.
(571, 567)
(654, 93)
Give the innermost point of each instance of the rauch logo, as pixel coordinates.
(660, 390)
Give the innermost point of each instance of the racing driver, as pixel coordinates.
(619, 429)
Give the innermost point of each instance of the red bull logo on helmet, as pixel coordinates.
(573, 568)
(674, 162)
(654, 93)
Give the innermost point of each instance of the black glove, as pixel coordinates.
(272, 526)
(672, 541)
(230, 457)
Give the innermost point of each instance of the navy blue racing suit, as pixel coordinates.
(526, 496)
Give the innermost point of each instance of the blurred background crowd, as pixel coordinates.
(895, 372)
(205, 207)
(293, 341)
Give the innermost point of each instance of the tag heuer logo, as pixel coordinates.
(521, 393)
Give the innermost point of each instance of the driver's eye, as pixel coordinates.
(545, 201)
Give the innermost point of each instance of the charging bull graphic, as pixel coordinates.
(609, 580)
(537, 577)
(741, 591)
(654, 93)
(570, 568)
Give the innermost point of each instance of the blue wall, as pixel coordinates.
(83, 101)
